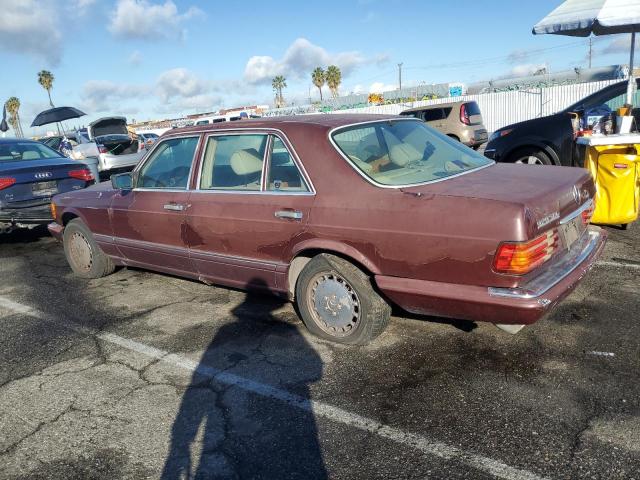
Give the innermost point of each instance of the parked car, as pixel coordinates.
(30, 173)
(346, 215)
(148, 138)
(108, 140)
(550, 140)
(461, 121)
(54, 141)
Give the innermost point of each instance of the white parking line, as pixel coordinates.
(418, 442)
(608, 263)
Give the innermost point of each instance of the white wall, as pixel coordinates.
(503, 108)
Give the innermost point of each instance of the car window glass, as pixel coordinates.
(169, 165)
(432, 114)
(233, 162)
(619, 100)
(21, 151)
(405, 152)
(284, 175)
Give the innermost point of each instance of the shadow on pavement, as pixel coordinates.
(223, 431)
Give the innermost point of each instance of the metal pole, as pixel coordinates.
(400, 76)
(590, 51)
(630, 86)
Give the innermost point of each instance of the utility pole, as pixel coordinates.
(590, 50)
(400, 76)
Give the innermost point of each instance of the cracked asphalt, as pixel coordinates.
(143, 375)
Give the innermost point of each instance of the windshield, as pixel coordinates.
(405, 152)
(20, 151)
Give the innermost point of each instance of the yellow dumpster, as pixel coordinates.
(614, 163)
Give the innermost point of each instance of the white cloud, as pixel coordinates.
(135, 59)
(621, 44)
(379, 87)
(145, 20)
(527, 69)
(31, 27)
(105, 96)
(298, 61)
(180, 82)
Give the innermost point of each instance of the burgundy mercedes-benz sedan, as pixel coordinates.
(345, 215)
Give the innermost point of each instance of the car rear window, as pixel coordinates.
(404, 152)
(21, 151)
(472, 108)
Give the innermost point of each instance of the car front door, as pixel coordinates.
(252, 200)
(148, 220)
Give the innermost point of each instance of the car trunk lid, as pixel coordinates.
(547, 196)
(107, 126)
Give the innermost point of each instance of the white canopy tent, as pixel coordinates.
(581, 18)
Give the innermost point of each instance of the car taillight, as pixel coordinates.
(587, 214)
(83, 174)
(54, 211)
(103, 149)
(464, 115)
(518, 258)
(6, 182)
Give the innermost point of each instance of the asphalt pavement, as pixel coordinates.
(143, 375)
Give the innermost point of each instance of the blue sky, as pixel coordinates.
(165, 58)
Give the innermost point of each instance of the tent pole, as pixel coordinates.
(630, 86)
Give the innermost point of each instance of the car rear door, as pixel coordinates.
(252, 199)
(148, 220)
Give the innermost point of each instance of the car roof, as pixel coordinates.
(4, 141)
(437, 105)
(329, 121)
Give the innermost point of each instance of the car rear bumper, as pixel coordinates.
(523, 305)
(114, 162)
(39, 214)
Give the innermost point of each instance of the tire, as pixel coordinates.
(530, 156)
(327, 278)
(83, 254)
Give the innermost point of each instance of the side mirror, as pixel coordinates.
(122, 181)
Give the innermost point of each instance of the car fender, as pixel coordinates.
(339, 248)
(75, 213)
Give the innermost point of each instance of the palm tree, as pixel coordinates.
(13, 106)
(45, 79)
(334, 79)
(278, 83)
(318, 78)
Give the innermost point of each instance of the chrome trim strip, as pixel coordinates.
(555, 273)
(585, 206)
(253, 131)
(152, 246)
(233, 260)
(249, 192)
(381, 185)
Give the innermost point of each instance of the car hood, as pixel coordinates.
(546, 192)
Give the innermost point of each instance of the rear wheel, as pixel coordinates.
(530, 156)
(85, 257)
(337, 301)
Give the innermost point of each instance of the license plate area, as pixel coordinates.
(571, 231)
(44, 189)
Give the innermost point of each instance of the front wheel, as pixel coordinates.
(530, 156)
(337, 301)
(85, 257)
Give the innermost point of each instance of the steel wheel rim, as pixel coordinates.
(529, 160)
(334, 304)
(81, 252)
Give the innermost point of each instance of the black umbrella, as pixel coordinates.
(3, 125)
(54, 115)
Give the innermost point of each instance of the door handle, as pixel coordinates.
(177, 207)
(291, 214)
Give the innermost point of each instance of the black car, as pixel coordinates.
(550, 140)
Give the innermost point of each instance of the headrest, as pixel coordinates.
(30, 155)
(245, 162)
(403, 153)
